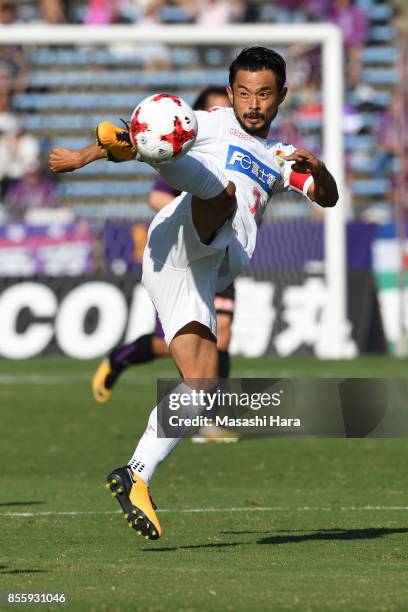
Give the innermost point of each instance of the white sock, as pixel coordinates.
(196, 174)
(151, 449)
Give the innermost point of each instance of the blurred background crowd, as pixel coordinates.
(56, 95)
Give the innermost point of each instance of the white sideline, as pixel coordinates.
(58, 379)
(37, 378)
(195, 510)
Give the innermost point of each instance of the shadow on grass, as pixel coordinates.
(246, 531)
(369, 533)
(194, 546)
(21, 503)
(20, 571)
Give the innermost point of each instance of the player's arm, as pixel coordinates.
(323, 188)
(67, 160)
(112, 143)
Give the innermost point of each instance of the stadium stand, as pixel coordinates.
(68, 92)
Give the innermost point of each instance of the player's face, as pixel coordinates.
(255, 97)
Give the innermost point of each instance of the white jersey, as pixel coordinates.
(255, 165)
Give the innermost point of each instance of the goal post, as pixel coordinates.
(334, 330)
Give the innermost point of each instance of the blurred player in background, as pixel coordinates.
(205, 238)
(153, 346)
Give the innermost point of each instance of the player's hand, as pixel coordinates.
(63, 160)
(305, 162)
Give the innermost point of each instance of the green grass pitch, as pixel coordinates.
(266, 524)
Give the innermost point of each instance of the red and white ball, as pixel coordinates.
(163, 127)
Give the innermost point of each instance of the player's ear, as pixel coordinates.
(282, 94)
(230, 94)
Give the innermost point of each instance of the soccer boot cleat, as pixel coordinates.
(116, 142)
(212, 433)
(133, 496)
(103, 381)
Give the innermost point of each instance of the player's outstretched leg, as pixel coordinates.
(129, 484)
(192, 343)
(134, 498)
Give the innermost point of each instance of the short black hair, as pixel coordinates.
(212, 90)
(259, 58)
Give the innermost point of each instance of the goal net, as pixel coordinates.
(86, 252)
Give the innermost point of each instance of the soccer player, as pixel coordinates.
(206, 237)
(152, 346)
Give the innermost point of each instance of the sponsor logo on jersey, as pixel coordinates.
(279, 158)
(241, 135)
(242, 161)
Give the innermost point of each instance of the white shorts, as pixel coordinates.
(181, 274)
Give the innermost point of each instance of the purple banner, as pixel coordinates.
(52, 250)
(284, 245)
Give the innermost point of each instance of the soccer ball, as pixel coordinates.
(163, 127)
